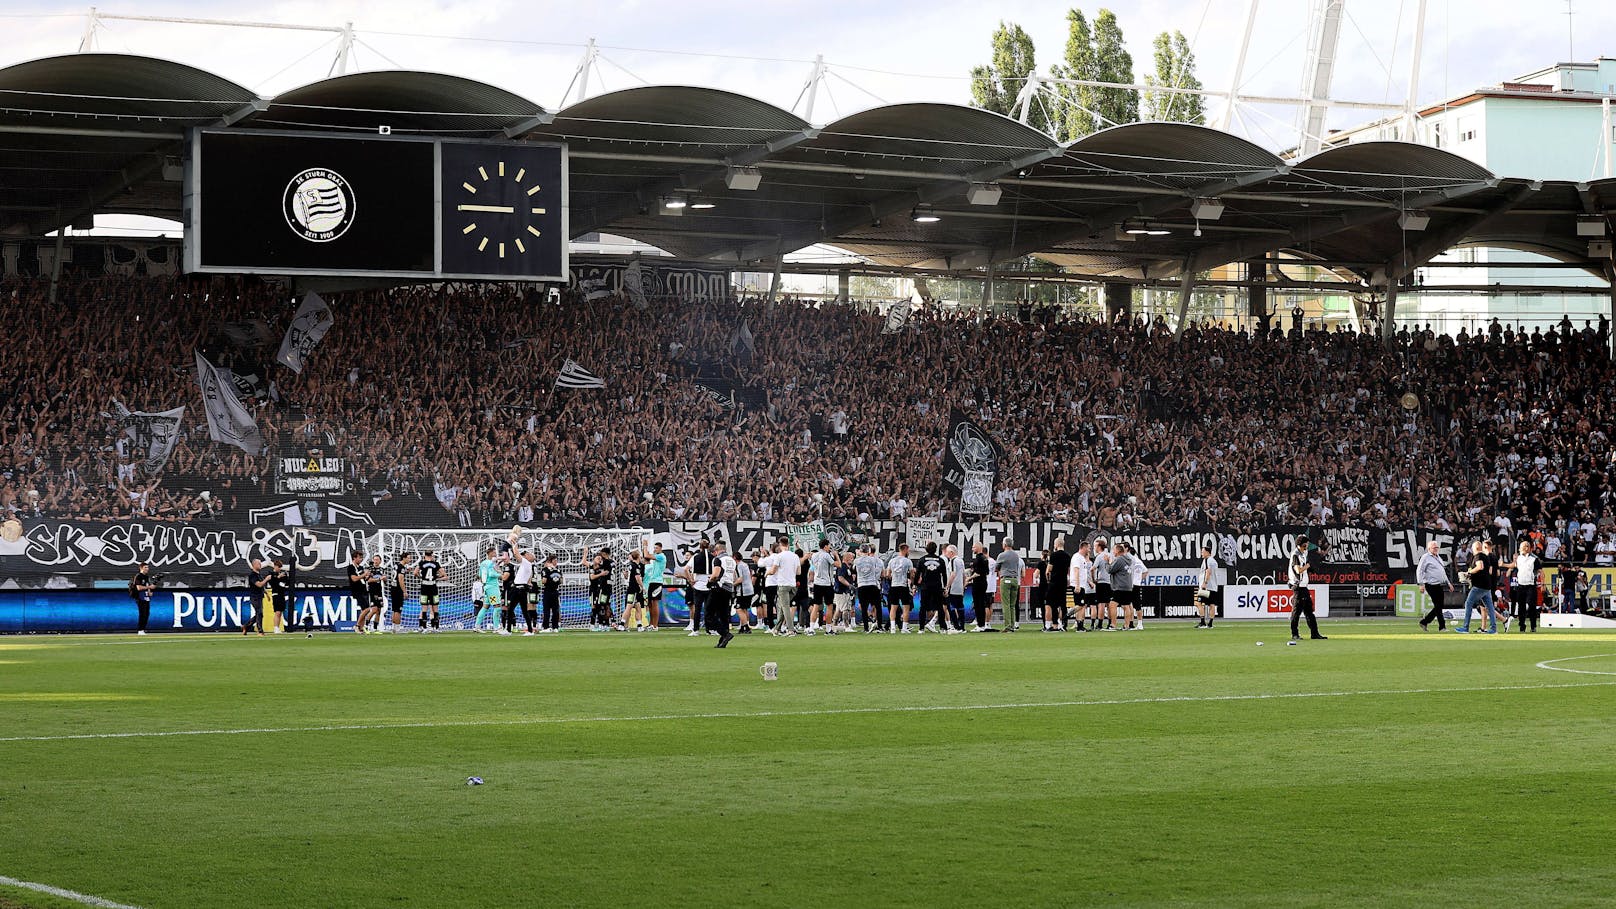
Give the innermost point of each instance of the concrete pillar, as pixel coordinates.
(844, 280)
(1257, 293)
(1388, 327)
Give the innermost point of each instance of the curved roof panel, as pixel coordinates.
(703, 121)
(408, 101)
(1169, 148)
(947, 139)
(1391, 163)
(116, 90)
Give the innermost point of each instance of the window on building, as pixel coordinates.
(1436, 134)
(1467, 129)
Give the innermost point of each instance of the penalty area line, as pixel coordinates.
(73, 895)
(766, 714)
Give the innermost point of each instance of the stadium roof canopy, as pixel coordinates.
(925, 186)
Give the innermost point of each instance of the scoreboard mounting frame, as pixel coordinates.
(422, 208)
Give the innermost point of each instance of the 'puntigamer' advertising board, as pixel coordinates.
(49, 611)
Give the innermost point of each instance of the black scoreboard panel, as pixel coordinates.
(295, 203)
(502, 209)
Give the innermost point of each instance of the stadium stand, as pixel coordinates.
(442, 401)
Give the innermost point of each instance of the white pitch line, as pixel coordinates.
(1549, 664)
(764, 714)
(73, 895)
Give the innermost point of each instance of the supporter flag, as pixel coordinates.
(897, 318)
(575, 376)
(634, 285)
(593, 288)
(741, 346)
(968, 448)
(309, 325)
(229, 421)
(248, 333)
(153, 433)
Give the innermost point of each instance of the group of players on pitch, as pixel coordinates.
(786, 592)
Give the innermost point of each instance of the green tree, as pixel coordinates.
(996, 86)
(1175, 68)
(1113, 63)
(1094, 53)
(1073, 115)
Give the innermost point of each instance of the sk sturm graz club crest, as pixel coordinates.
(319, 205)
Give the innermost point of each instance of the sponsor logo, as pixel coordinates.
(319, 205)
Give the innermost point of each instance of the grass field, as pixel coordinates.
(1170, 767)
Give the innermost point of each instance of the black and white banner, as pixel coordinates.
(971, 463)
(309, 325)
(897, 318)
(650, 278)
(153, 434)
(229, 421)
(574, 376)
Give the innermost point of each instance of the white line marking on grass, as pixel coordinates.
(76, 897)
(764, 714)
(1549, 664)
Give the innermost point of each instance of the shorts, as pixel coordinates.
(900, 596)
(360, 598)
(632, 595)
(844, 600)
(429, 596)
(653, 591)
(869, 597)
(1125, 597)
(824, 595)
(1102, 594)
(491, 597)
(397, 596)
(1208, 596)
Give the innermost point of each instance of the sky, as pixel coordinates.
(885, 51)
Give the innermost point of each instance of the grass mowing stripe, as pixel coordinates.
(764, 714)
(75, 896)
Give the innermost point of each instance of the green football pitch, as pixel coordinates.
(1173, 766)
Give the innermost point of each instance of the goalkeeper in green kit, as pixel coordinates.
(488, 573)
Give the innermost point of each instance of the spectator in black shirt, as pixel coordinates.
(256, 598)
(140, 589)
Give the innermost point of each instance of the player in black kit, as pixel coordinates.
(375, 581)
(357, 590)
(600, 591)
(256, 598)
(396, 592)
(933, 573)
(280, 589)
(430, 572)
(550, 581)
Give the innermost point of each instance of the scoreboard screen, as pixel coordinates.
(423, 208)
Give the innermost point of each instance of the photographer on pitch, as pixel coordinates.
(141, 587)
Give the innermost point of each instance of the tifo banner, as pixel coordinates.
(309, 325)
(1246, 601)
(682, 280)
(154, 434)
(47, 611)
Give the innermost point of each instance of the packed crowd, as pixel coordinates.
(444, 396)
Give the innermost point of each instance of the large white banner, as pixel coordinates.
(1244, 601)
(309, 325)
(920, 531)
(229, 421)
